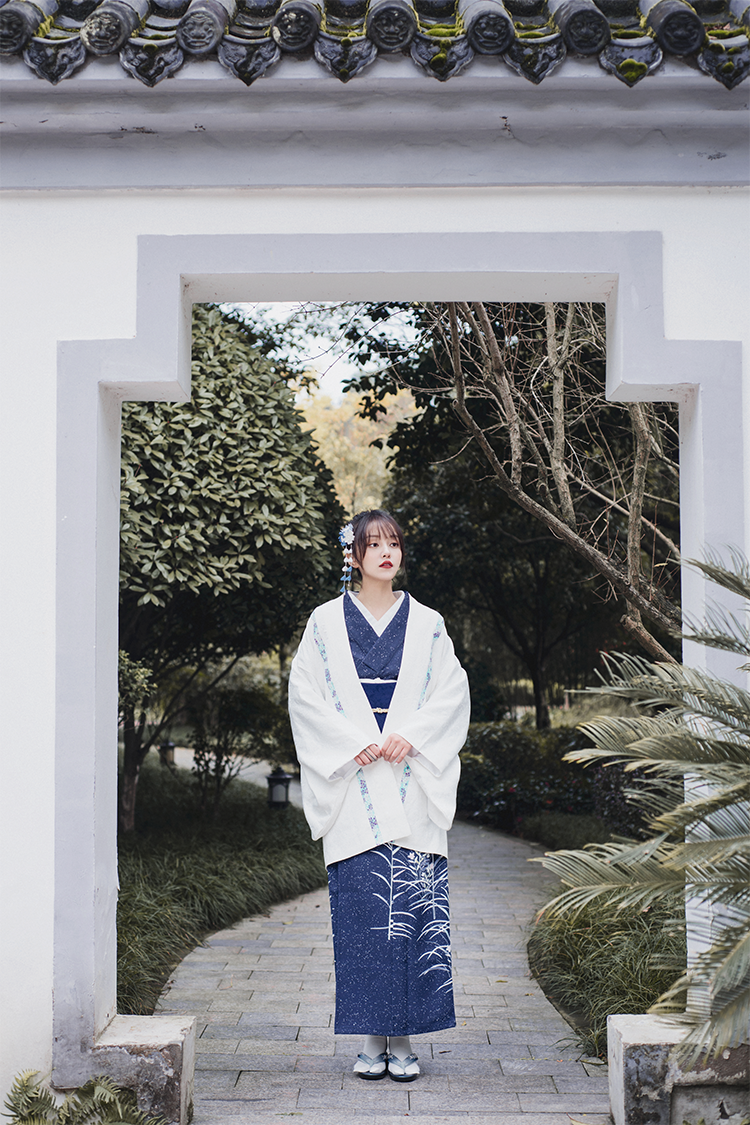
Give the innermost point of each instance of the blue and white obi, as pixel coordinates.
(377, 647)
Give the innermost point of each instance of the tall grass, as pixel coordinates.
(182, 877)
(605, 961)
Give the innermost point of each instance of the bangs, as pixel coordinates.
(376, 522)
(386, 528)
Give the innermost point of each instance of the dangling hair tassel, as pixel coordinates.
(346, 538)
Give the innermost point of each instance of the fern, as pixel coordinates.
(98, 1102)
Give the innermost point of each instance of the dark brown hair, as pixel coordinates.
(361, 524)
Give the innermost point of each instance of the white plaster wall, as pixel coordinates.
(69, 272)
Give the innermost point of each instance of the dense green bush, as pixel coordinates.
(182, 877)
(510, 773)
(564, 830)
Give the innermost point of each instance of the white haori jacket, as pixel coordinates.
(411, 804)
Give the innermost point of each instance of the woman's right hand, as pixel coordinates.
(368, 756)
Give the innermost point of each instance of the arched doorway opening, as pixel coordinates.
(624, 271)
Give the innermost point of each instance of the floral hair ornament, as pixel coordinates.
(346, 538)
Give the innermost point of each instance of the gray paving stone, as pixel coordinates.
(241, 1059)
(266, 1031)
(469, 1051)
(562, 1067)
(462, 1035)
(274, 1063)
(585, 1085)
(264, 990)
(512, 1050)
(261, 1081)
(207, 1019)
(501, 1035)
(564, 1103)
(321, 1064)
(497, 1085)
(552, 1024)
(374, 1097)
(557, 1051)
(219, 1082)
(466, 1103)
(594, 1067)
(270, 1019)
(465, 1067)
(256, 1047)
(223, 1046)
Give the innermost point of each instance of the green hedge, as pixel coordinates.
(510, 773)
(181, 877)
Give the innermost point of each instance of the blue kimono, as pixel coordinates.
(389, 905)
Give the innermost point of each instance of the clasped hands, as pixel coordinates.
(394, 749)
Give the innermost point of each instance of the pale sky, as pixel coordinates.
(321, 351)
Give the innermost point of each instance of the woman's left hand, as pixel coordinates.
(395, 748)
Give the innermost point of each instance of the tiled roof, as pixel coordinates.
(153, 38)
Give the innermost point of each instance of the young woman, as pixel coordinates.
(379, 706)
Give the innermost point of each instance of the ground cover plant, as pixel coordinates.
(182, 876)
(605, 961)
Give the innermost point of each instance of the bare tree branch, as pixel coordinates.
(635, 628)
(668, 543)
(557, 359)
(609, 570)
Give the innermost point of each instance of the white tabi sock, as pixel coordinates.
(400, 1046)
(374, 1045)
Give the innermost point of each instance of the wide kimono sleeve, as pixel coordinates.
(437, 729)
(325, 740)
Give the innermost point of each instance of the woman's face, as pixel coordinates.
(382, 555)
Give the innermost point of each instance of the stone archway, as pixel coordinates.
(624, 270)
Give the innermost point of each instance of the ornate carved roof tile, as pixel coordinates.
(153, 38)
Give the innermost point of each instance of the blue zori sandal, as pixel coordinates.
(403, 1070)
(369, 1068)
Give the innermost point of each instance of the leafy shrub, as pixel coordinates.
(181, 877)
(563, 830)
(510, 773)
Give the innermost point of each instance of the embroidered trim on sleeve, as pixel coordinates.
(368, 807)
(428, 677)
(329, 679)
(404, 782)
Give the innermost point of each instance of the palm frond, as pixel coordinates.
(676, 691)
(100, 1101)
(28, 1102)
(689, 742)
(599, 872)
(734, 577)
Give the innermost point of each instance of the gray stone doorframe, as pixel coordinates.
(624, 270)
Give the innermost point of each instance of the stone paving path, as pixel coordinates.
(263, 992)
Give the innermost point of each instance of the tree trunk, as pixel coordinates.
(540, 700)
(131, 769)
